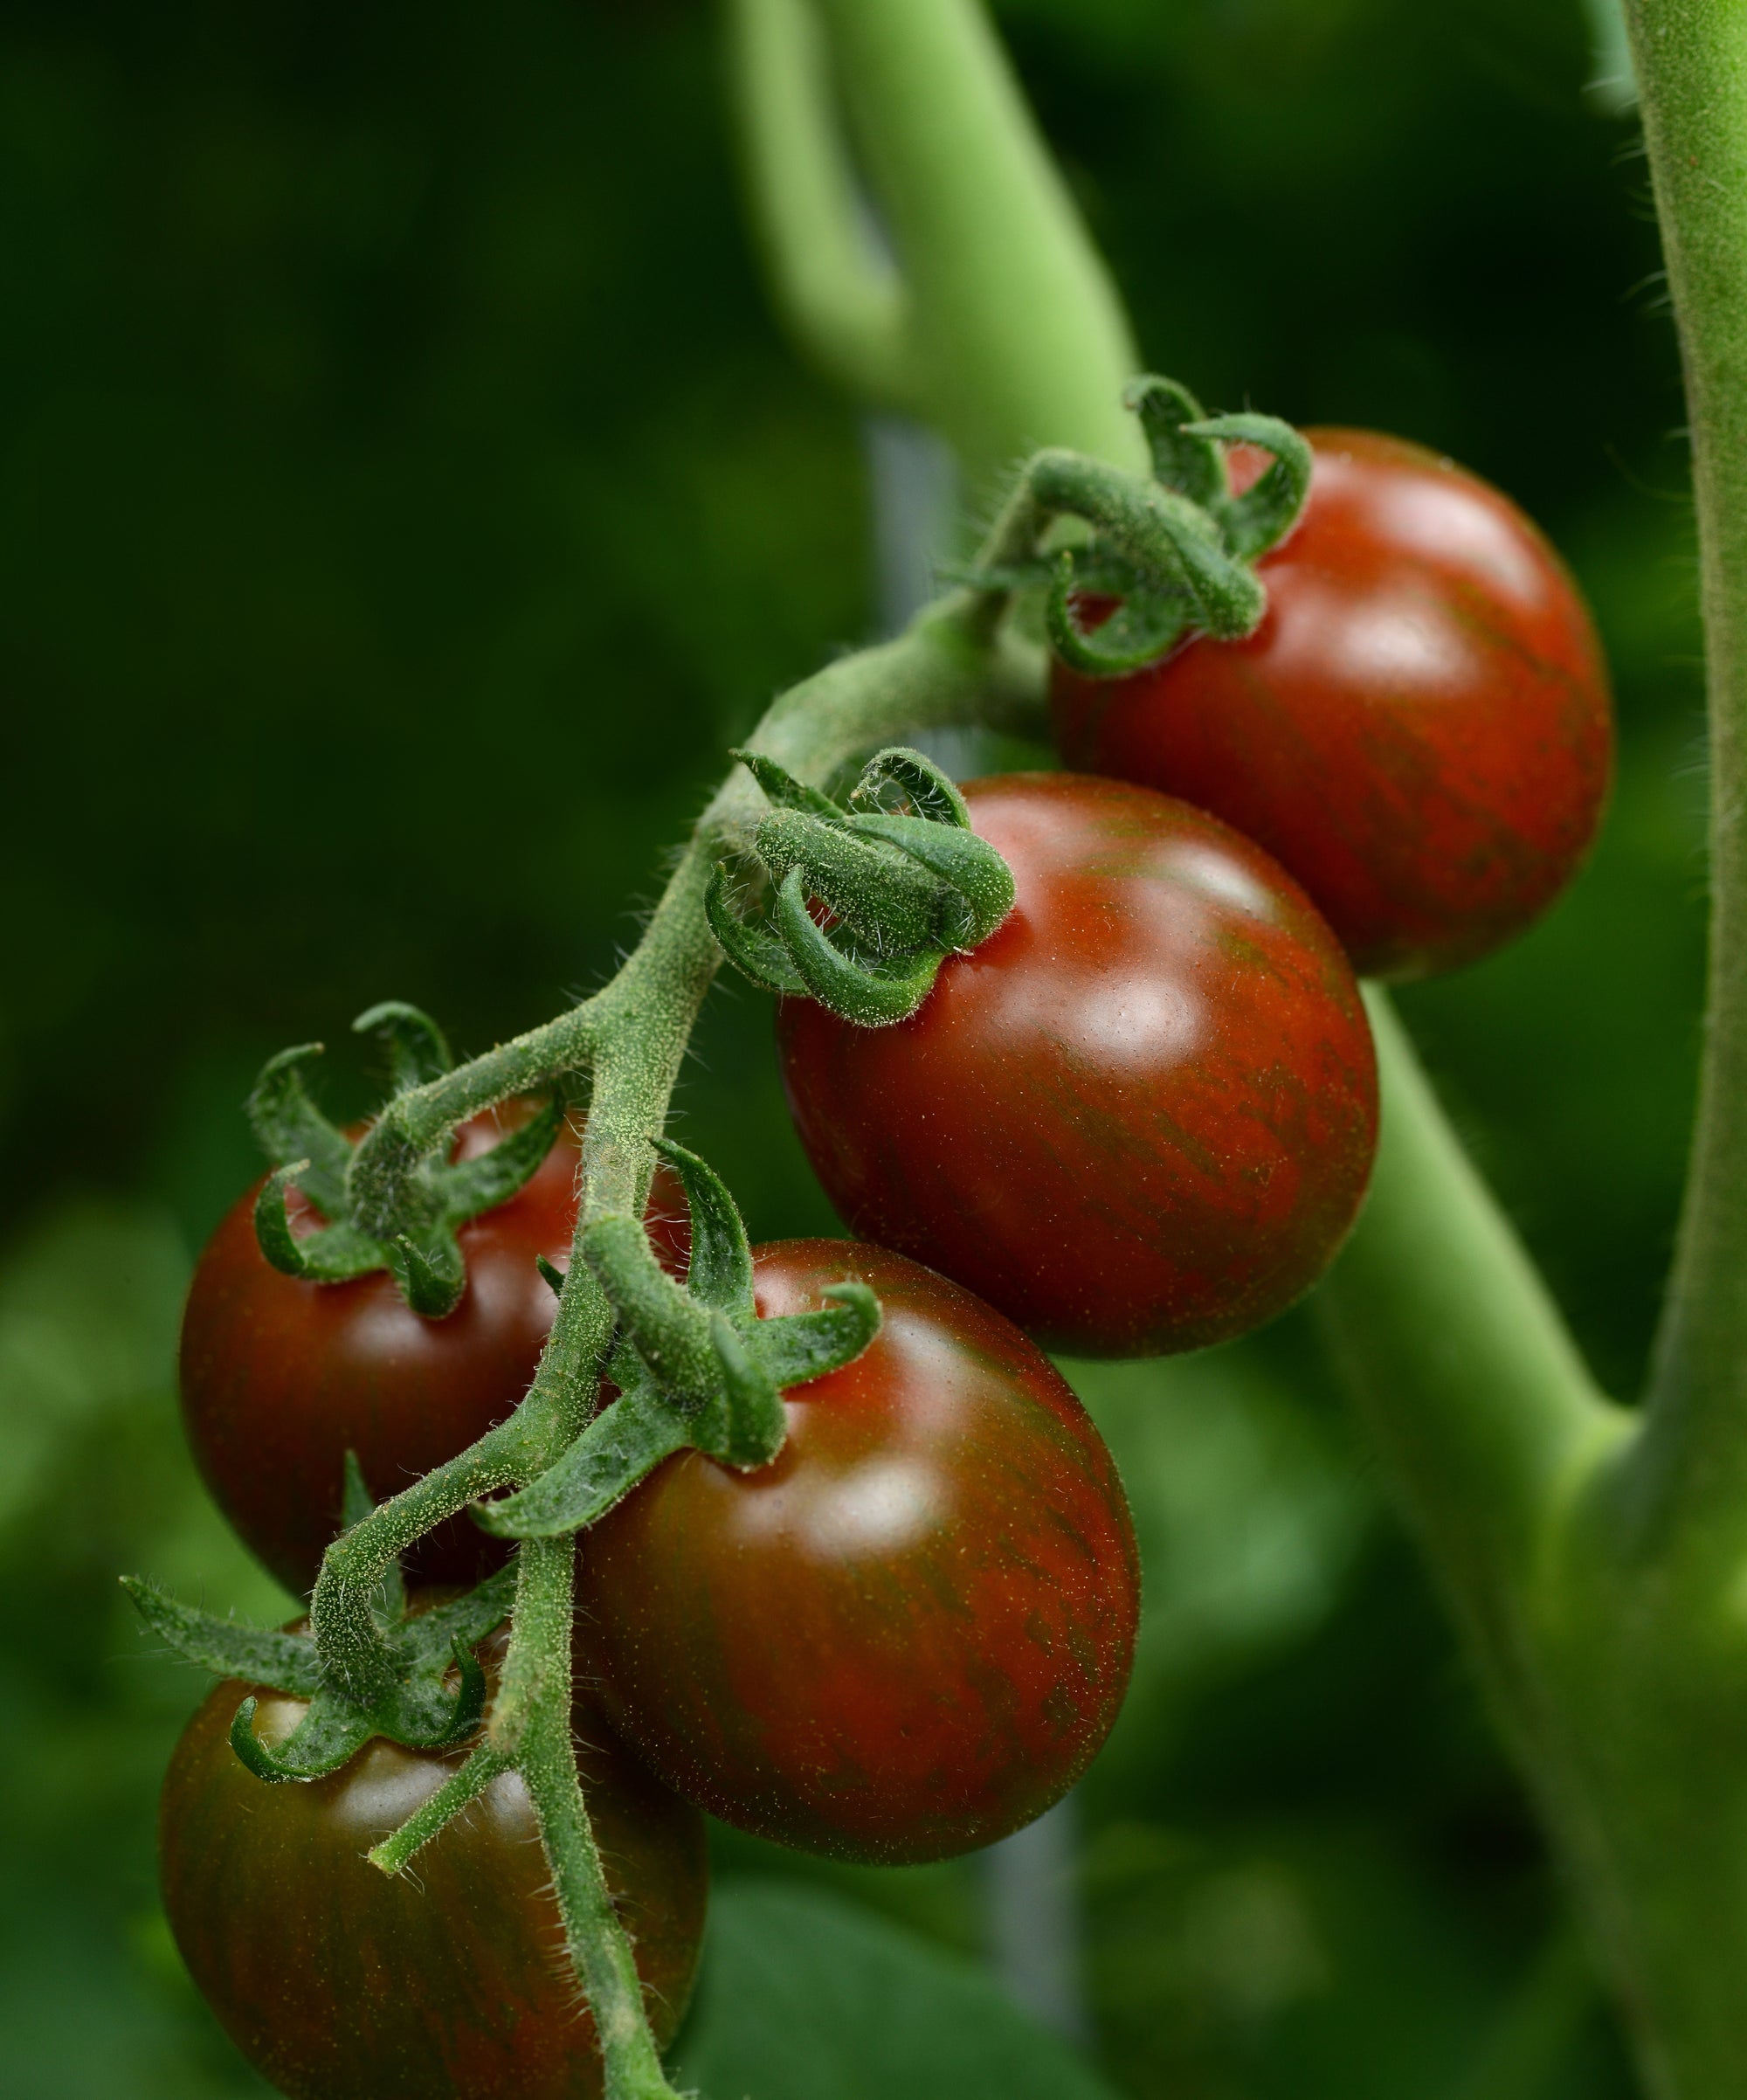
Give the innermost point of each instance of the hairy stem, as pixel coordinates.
(457, 1792)
(600, 1951)
(1691, 61)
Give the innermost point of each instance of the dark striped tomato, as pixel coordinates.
(338, 1983)
(279, 1377)
(907, 1635)
(1419, 730)
(1139, 1117)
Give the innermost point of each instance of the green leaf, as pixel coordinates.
(807, 1997)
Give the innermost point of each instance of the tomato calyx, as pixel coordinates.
(697, 1369)
(1176, 551)
(904, 880)
(417, 1705)
(312, 1154)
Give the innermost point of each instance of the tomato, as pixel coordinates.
(1419, 730)
(280, 1377)
(905, 1636)
(1141, 1116)
(338, 1982)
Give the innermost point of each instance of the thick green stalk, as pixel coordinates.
(1691, 61)
(841, 298)
(1012, 334)
(1471, 1388)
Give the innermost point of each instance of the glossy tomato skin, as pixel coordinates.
(279, 1378)
(448, 1983)
(908, 1635)
(1140, 1117)
(1420, 729)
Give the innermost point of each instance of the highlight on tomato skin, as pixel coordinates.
(1141, 1116)
(1420, 731)
(338, 1982)
(907, 1636)
(279, 1377)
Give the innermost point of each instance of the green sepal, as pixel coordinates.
(254, 1754)
(720, 1271)
(418, 1709)
(621, 1447)
(1184, 455)
(882, 899)
(429, 1271)
(871, 995)
(753, 1424)
(287, 1126)
(335, 1255)
(1147, 624)
(801, 1347)
(781, 788)
(931, 794)
(257, 1655)
(471, 1187)
(1266, 511)
(417, 1049)
(754, 950)
(667, 1329)
(554, 1278)
(979, 881)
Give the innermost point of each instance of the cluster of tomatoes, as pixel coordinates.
(1138, 1118)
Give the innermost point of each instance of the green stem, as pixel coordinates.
(599, 1952)
(1691, 61)
(848, 309)
(1014, 335)
(1470, 1386)
(456, 1793)
(953, 665)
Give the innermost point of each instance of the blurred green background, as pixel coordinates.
(404, 499)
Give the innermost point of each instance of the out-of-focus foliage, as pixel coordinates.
(404, 499)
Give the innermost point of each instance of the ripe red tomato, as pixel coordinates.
(1419, 730)
(338, 1982)
(905, 1636)
(1141, 1116)
(279, 1377)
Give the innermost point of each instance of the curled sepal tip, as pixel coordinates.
(414, 1237)
(417, 1049)
(1176, 551)
(873, 993)
(697, 1369)
(754, 950)
(253, 1753)
(870, 895)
